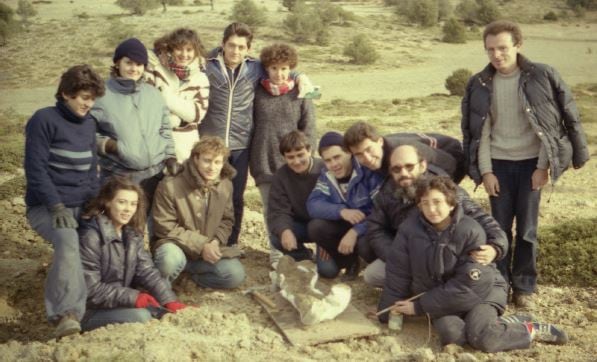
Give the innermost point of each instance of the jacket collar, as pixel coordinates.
(523, 62)
(107, 230)
(123, 85)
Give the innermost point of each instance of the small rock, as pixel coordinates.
(452, 349)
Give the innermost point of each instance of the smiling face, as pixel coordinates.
(209, 165)
(405, 166)
(278, 73)
(80, 103)
(502, 52)
(298, 160)
(122, 207)
(369, 153)
(129, 69)
(235, 50)
(337, 161)
(184, 55)
(435, 208)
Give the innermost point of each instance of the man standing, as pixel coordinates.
(338, 206)
(520, 125)
(396, 201)
(193, 217)
(292, 183)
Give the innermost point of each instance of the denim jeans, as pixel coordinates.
(101, 317)
(65, 288)
(224, 274)
(516, 200)
(239, 159)
(299, 229)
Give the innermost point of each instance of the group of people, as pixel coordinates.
(166, 144)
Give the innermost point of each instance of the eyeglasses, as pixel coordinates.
(409, 167)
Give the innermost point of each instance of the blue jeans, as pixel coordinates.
(225, 274)
(517, 200)
(239, 159)
(101, 317)
(299, 230)
(65, 288)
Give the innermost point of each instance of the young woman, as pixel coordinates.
(176, 68)
(133, 123)
(113, 256)
(431, 255)
(61, 172)
(278, 110)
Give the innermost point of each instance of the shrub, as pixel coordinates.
(290, 4)
(332, 13)
(454, 32)
(8, 25)
(444, 9)
(467, 11)
(25, 10)
(488, 11)
(138, 7)
(422, 12)
(456, 83)
(586, 4)
(246, 11)
(550, 16)
(361, 50)
(304, 24)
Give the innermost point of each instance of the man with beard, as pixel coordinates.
(396, 200)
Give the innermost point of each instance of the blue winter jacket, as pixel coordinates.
(60, 158)
(326, 200)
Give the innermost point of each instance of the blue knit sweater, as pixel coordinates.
(60, 159)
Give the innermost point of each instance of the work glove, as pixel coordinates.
(175, 306)
(111, 147)
(173, 167)
(62, 218)
(145, 300)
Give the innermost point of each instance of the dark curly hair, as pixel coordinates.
(443, 184)
(80, 78)
(279, 53)
(177, 39)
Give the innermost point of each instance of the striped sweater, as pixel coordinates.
(60, 159)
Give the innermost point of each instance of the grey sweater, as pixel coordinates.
(274, 117)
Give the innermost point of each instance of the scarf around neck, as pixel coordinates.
(277, 90)
(182, 71)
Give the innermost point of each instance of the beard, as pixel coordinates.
(406, 192)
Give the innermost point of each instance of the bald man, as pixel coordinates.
(396, 200)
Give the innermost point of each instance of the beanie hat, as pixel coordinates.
(330, 139)
(133, 49)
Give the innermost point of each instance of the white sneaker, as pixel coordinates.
(274, 257)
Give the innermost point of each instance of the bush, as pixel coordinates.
(454, 32)
(8, 26)
(361, 50)
(290, 4)
(422, 12)
(488, 11)
(246, 11)
(456, 83)
(332, 13)
(304, 24)
(138, 7)
(586, 4)
(25, 10)
(444, 9)
(550, 16)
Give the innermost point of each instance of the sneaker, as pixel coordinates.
(548, 333)
(274, 257)
(68, 325)
(517, 318)
(523, 300)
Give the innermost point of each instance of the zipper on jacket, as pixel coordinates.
(231, 85)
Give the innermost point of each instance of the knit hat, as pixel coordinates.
(133, 49)
(330, 139)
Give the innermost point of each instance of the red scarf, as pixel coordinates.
(181, 71)
(277, 90)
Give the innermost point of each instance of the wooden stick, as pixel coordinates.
(262, 298)
(392, 306)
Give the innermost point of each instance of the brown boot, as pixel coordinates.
(523, 301)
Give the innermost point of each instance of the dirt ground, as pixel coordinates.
(228, 325)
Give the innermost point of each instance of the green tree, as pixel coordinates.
(25, 10)
(246, 11)
(304, 24)
(488, 11)
(361, 50)
(444, 9)
(467, 11)
(422, 12)
(454, 32)
(138, 7)
(456, 83)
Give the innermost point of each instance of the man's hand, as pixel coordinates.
(288, 240)
(404, 307)
(111, 147)
(491, 184)
(539, 179)
(485, 255)
(173, 167)
(348, 242)
(353, 216)
(211, 252)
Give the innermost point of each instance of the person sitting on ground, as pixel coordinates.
(373, 151)
(114, 259)
(177, 68)
(193, 217)
(431, 256)
(287, 216)
(134, 132)
(61, 174)
(338, 206)
(396, 201)
(277, 111)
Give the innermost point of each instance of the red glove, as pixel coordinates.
(145, 300)
(175, 306)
